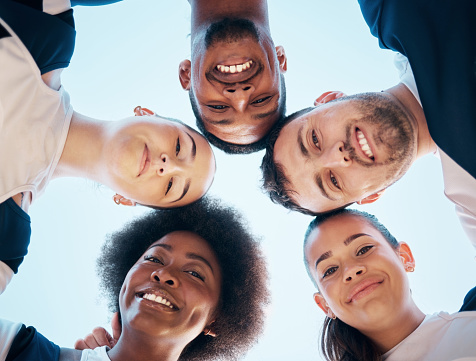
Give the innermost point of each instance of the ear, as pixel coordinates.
(372, 198)
(328, 96)
(139, 111)
(185, 69)
(282, 59)
(116, 326)
(118, 199)
(406, 256)
(321, 302)
(208, 330)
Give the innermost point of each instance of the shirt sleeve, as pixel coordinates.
(6, 274)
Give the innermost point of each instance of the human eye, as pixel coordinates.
(315, 140)
(261, 100)
(334, 180)
(218, 107)
(196, 275)
(171, 182)
(329, 272)
(364, 250)
(177, 147)
(153, 259)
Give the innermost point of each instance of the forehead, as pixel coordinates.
(185, 242)
(333, 232)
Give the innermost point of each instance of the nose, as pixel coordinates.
(337, 156)
(166, 165)
(164, 276)
(239, 95)
(353, 272)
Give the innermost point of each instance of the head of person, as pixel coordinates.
(193, 277)
(156, 161)
(235, 83)
(359, 269)
(347, 150)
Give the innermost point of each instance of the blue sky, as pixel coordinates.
(127, 54)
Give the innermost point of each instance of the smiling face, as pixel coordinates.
(173, 290)
(158, 162)
(341, 152)
(360, 276)
(235, 81)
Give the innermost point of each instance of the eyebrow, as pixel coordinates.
(189, 255)
(322, 189)
(194, 146)
(231, 121)
(193, 152)
(185, 190)
(346, 242)
(217, 122)
(266, 114)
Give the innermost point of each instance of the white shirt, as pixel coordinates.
(440, 337)
(460, 186)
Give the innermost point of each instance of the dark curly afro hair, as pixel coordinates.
(244, 294)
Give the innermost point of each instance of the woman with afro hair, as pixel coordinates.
(187, 284)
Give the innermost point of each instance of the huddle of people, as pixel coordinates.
(188, 281)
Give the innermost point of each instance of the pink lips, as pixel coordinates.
(145, 161)
(363, 289)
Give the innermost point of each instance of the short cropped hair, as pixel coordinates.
(244, 289)
(231, 148)
(369, 218)
(274, 182)
(370, 106)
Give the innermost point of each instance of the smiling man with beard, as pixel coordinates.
(351, 148)
(235, 76)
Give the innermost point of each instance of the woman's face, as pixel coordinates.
(173, 290)
(158, 162)
(359, 275)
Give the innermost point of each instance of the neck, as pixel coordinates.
(205, 12)
(132, 347)
(405, 97)
(390, 334)
(83, 149)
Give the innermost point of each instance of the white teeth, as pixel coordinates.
(364, 144)
(158, 299)
(237, 68)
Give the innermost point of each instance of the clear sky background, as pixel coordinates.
(127, 54)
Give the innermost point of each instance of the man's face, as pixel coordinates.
(235, 80)
(333, 156)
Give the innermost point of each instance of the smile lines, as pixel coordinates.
(237, 68)
(364, 145)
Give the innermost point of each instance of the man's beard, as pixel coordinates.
(398, 137)
(230, 30)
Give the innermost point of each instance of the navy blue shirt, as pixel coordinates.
(439, 39)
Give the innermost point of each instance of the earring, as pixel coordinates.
(118, 199)
(331, 314)
(409, 268)
(207, 331)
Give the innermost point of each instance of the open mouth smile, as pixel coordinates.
(236, 68)
(364, 145)
(160, 299)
